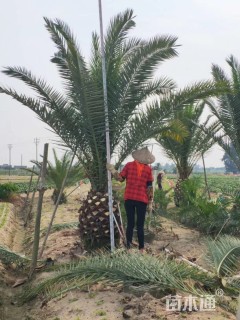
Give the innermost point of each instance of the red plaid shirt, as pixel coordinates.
(136, 187)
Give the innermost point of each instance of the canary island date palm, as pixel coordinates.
(227, 109)
(57, 171)
(77, 114)
(187, 152)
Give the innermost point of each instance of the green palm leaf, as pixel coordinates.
(226, 109)
(143, 272)
(223, 255)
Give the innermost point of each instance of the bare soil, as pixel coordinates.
(98, 302)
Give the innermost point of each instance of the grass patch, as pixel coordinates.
(101, 313)
(4, 210)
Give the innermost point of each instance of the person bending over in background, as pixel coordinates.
(159, 180)
(138, 191)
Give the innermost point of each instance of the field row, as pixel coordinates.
(4, 209)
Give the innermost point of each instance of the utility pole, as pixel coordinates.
(36, 141)
(21, 160)
(9, 161)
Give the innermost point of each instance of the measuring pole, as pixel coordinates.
(110, 201)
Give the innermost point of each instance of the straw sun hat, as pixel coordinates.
(143, 156)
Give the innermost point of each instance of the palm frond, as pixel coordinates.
(186, 144)
(223, 255)
(77, 116)
(226, 108)
(61, 226)
(140, 271)
(8, 257)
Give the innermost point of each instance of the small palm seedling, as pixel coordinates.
(56, 173)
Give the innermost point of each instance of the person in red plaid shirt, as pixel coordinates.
(138, 192)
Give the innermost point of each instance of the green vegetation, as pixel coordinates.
(8, 257)
(7, 190)
(155, 275)
(217, 183)
(162, 199)
(77, 115)
(226, 109)
(57, 171)
(4, 211)
(210, 216)
(22, 187)
(101, 313)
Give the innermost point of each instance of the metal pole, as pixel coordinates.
(110, 201)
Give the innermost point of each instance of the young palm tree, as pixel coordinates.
(227, 110)
(186, 153)
(57, 171)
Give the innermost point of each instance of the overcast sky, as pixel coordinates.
(208, 32)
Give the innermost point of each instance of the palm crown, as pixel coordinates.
(227, 109)
(77, 116)
(186, 153)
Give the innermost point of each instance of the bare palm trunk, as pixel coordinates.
(41, 189)
(205, 177)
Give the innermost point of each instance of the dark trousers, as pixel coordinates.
(132, 206)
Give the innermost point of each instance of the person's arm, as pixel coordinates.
(149, 190)
(115, 173)
(150, 185)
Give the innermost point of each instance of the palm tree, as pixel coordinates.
(186, 153)
(227, 109)
(228, 163)
(56, 172)
(77, 116)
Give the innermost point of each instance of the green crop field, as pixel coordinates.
(216, 182)
(17, 179)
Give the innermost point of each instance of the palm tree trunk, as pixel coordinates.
(39, 212)
(205, 177)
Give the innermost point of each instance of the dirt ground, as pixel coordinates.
(98, 302)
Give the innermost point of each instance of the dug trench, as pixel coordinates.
(98, 301)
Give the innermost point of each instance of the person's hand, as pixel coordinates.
(111, 168)
(150, 193)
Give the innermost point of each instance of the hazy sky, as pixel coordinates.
(208, 32)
